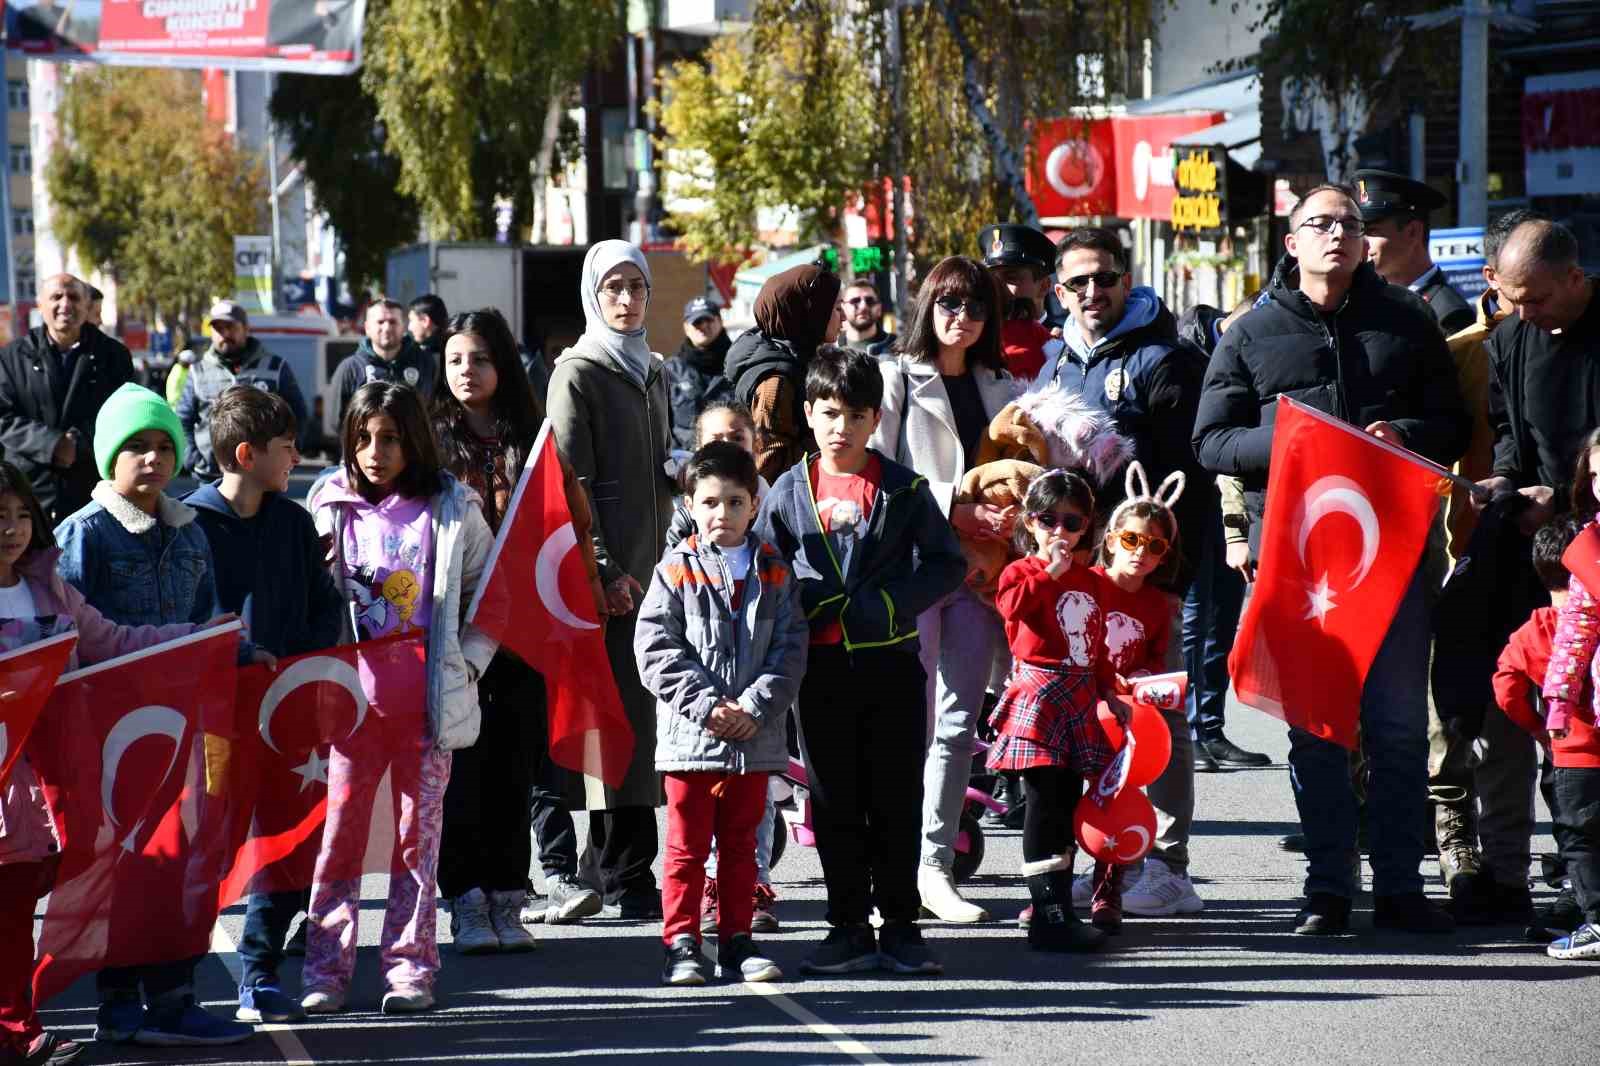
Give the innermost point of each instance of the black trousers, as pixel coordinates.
(1576, 818)
(863, 736)
(553, 830)
(1052, 798)
(622, 845)
(485, 842)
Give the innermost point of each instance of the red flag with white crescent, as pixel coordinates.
(1346, 521)
(27, 676)
(534, 599)
(135, 758)
(288, 721)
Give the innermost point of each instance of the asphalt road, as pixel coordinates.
(1231, 985)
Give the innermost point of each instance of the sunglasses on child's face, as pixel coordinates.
(1067, 521)
(1132, 542)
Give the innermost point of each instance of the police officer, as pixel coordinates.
(1395, 210)
(1020, 258)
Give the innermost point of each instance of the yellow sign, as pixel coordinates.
(1197, 171)
(1196, 212)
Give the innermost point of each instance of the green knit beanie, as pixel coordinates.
(132, 409)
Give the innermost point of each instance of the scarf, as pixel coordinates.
(795, 306)
(628, 350)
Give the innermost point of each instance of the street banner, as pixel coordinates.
(307, 36)
(534, 599)
(252, 274)
(27, 677)
(1346, 520)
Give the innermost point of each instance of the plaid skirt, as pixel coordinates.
(1047, 718)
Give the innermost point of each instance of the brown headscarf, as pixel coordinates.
(796, 305)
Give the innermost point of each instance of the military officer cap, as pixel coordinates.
(1009, 245)
(1380, 193)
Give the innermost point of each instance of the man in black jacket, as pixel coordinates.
(1333, 335)
(387, 353)
(53, 381)
(694, 373)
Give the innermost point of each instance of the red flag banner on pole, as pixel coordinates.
(135, 758)
(534, 599)
(288, 720)
(1346, 521)
(27, 677)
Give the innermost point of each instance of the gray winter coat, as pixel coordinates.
(695, 650)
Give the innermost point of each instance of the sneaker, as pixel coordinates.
(48, 1049)
(901, 950)
(762, 920)
(846, 949)
(1581, 943)
(407, 999)
(1225, 752)
(190, 1025)
(322, 1001)
(505, 919)
(469, 924)
(741, 956)
(570, 900)
(685, 964)
(940, 897)
(708, 907)
(1411, 912)
(267, 1003)
(1160, 892)
(1323, 914)
(117, 1020)
(295, 946)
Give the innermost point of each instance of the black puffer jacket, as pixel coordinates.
(1379, 357)
(695, 382)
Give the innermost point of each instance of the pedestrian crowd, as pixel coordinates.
(823, 542)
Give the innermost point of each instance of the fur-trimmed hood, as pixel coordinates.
(1081, 436)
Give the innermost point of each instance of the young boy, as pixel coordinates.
(871, 551)
(270, 572)
(721, 641)
(139, 559)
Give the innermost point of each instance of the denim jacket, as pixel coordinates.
(134, 568)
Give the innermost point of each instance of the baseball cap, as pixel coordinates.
(699, 307)
(227, 309)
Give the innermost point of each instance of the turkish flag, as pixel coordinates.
(534, 599)
(287, 722)
(135, 758)
(1346, 520)
(27, 677)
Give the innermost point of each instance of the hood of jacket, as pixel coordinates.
(1198, 327)
(708, 360)
(756, 354)
(1143, 309)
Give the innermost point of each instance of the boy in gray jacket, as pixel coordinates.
(721, 642)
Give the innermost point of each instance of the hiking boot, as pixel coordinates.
(1582, 943)
(469, 924)
(901, 950)
(1323, 914)
(685, 964)
(1105, 907)
(846, 949)
(569, 900)
(708, 907)
(740, 957)
(1054, 925)
(1161, 892)
(940, 898)
(505, 920)
(762, 920)
(1456, 831)
(1227, 753)
(1411, 912)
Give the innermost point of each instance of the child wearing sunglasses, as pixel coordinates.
(1048, 729)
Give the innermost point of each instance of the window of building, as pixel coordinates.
(27, 284)
(614, 147)
(17, 94)
(22, 223)
(21, 159)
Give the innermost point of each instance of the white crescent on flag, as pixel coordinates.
(307, 672)
(547, 576)
(132, 727)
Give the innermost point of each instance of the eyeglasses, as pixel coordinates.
(1068, 521)
(614, 291)
(976, 312)
(1132, 542)
(1103, 279)
(1343, 225)
(863, 301)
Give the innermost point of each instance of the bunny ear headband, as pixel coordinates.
(1137, 485)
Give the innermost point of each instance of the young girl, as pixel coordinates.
(36, 604)
(409, 545)
(1046, 721)
(729, 421)
(1141, 543)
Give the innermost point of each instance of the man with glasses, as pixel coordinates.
(694, 373)
(1395, 210)
(1333, 335)
(863, 319)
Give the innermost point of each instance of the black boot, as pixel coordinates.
(1055, 927)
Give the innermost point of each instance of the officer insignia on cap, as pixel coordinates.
(1361, 192)
(997, 246)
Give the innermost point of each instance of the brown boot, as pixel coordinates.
(1105, 907)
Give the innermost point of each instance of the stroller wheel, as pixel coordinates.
(968, 861)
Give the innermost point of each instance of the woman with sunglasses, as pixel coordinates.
(945, 384)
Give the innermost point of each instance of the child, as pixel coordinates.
(1054, 615)
(409, 545)
(138, 557)
(269, 565)
(1518, 678)
(871, 550)
(722, 643)
(1140, 545)
(35, 604)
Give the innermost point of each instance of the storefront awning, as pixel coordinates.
(1241, 135)
(1238, 96)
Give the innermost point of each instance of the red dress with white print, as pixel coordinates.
(1055, 627)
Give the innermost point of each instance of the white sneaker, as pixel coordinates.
(322, 1002)
(1160, 893)
(407, 999)
(505, 920)
(937, 887)
(469, 924)
(1083, 890)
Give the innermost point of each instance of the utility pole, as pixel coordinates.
(1472, 164)
(897, 100)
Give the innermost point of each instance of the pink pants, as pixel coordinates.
(409, 942)
(693, 815)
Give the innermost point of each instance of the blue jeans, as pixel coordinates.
(1210, 618)
(1394, 735)
(267, 919)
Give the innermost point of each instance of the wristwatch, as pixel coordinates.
(1236, 521)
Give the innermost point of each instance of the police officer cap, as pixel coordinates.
(1380, 194)
(1008, 245)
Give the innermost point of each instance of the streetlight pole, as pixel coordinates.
(1472, 165)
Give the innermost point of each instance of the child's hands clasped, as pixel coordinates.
(730, 722)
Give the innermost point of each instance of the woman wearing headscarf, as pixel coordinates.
(795, 311)
(608, 408)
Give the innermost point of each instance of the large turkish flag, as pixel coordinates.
(135, 757)
(1346, 520)
(27, 677)
(535, 600)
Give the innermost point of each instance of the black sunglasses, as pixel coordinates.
(1072, 523)
(976, 312)
(1103, 279)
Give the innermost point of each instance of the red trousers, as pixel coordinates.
(694, 814)
(19, 893)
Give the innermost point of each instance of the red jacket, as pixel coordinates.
(1056, 621)
(1520, 675)
(1022, 345)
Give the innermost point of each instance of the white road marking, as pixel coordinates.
(288, 1041)
(828, 1031)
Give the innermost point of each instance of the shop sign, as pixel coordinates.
(1200, 177)
(1144, 160)
(1561, 134)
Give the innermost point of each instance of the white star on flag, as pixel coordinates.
(1319, 600)
(314, 769)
